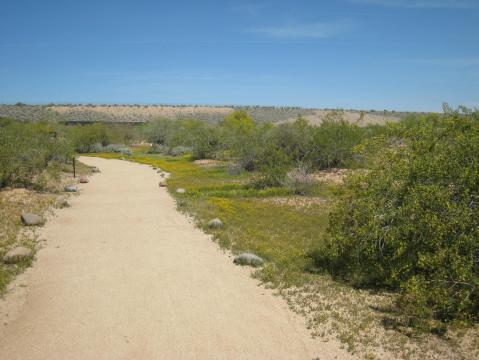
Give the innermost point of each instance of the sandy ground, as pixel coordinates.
(123, 275)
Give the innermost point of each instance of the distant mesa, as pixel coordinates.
(140, 114)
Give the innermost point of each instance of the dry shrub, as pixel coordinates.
(299, 181)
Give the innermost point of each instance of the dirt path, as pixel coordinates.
(125, 276)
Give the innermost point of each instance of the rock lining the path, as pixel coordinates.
(18, 254)
(248, 259)
(215, 223)
(30, 219)
(70, 188)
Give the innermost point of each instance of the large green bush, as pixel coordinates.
(411, 222)
(240, 137)
(333, 143)
(28, 149)
(86, 138)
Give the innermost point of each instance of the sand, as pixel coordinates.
(123, 275)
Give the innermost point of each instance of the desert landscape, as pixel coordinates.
(231, 180)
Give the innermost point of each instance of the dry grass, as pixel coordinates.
(335, 176)
(210, 163)
(14, 201)
(297, 201)
(361, 320)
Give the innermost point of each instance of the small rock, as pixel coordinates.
(29, 219)
(64, 204)
(215, 223)
(162, 183)
(84, 180)
(155, 168)
(18, 254)
(94, 169)
(162, 175)
(70, 188)
(248, 259)
(180, 191)
(160, 172)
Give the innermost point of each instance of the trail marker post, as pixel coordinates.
(74, 172)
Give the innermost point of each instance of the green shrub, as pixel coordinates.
(411, 222)
(333, 143)
(180, 150)
(158, 149)
(240, 136)
(158, 131)
(28, 149)
(85, 138)
(295, 140)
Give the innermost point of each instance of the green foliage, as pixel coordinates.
(199, 136)
(85, 138)
(28, 149)
(159, 131)
(195, 136)
(240, 136)
(294, 140)
(334, 141)
(411, 222)
(272, 165)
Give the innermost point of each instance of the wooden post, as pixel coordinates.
(74, 172)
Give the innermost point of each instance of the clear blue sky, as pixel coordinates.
(381, 54)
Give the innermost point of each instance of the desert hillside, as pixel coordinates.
(145, 113)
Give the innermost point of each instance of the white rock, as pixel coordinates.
(18, 254)
(32, 219)
(248, 259)
(215, 223)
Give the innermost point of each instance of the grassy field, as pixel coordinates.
(283, 229)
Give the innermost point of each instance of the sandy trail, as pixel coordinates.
(125, 276)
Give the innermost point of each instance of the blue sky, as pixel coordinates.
(381, 54)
